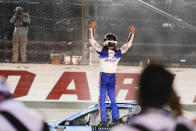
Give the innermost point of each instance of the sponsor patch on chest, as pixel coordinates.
(111, 53)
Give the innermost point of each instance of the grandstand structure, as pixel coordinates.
(61, 27)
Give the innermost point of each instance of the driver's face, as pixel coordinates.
(111, 45)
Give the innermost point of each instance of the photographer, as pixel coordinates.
(21, 21)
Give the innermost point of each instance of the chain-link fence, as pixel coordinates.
(55, 28)
(58, 28)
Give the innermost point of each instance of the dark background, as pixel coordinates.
(56, 21)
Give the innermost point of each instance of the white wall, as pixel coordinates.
(47, 76)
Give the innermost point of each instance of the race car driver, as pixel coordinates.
(109, 56)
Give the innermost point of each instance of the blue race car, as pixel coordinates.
(89, 119)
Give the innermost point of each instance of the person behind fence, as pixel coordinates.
(109, 56)
(20, 39)
(15, 116)
(155, 92)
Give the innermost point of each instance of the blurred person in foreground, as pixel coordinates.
(21, 21)
(109, 56)
(161, 109)
(15, 116)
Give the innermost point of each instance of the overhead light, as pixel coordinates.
(182, 60)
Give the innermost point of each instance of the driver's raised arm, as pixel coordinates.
(128, 44)
(92, 40)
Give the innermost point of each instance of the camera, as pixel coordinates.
(19, 11)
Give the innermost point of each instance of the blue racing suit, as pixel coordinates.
(108, 64)
(107, 84)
